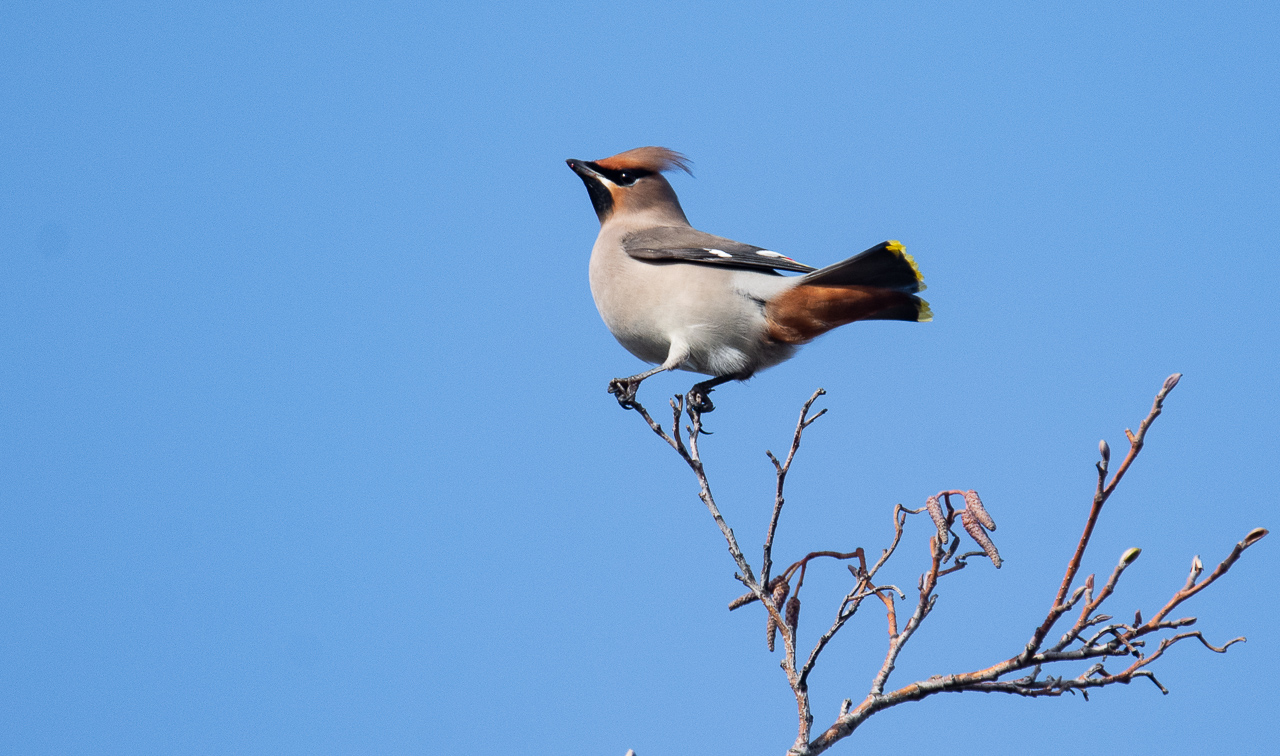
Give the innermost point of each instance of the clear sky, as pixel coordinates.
(304, 440)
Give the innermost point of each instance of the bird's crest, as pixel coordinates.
(656, 159)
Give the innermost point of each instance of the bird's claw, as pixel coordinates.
(698, 400)
(625, 391)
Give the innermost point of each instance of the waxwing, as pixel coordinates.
(684, 299)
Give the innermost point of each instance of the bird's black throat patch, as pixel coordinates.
(601, 197)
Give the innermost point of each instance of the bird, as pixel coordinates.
(684, 299)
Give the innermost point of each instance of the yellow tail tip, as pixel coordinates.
(926, 313)
(897, 247)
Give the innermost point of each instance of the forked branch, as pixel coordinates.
(1094, 638)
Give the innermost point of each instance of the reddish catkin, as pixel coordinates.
(974, 504)
(935, 511)
(793, 613)
(781, 588)
(974, 529)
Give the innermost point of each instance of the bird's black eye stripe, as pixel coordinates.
(624, 177)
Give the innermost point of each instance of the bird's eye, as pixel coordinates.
(625, 176)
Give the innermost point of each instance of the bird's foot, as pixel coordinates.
(699, 400)
(624, 389)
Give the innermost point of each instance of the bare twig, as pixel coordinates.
(1103, 492)
(690, 454)
(781, 469)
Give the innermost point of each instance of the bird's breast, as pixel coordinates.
(716, 313)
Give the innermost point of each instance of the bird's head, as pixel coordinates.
(631, 182)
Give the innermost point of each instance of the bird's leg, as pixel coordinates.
(625, 388)
(699, 400)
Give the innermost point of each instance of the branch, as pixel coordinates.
(690, 454)
(1103, 492)
(1093, 637)
(781, 470)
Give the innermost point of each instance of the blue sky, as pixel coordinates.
(304, 444)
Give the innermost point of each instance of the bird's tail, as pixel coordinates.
(885, 266)
(878, 284)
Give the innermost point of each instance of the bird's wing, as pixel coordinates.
(684, 244)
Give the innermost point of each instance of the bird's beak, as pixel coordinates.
(597, 187)
(581, 168)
